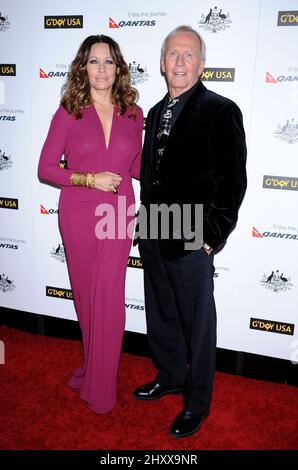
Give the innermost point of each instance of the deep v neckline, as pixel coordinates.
(106, 144)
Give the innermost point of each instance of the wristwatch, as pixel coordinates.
(207, 248)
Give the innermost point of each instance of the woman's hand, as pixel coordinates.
(107, 181)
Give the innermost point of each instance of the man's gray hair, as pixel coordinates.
(184, 29)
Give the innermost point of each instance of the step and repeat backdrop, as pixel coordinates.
(252, 59)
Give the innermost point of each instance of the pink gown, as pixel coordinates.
(97, 267)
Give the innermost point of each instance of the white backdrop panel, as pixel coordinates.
(240, 35)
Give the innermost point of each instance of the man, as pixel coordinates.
(194, 153)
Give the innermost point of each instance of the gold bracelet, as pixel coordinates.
(90, 180)
(78, 179)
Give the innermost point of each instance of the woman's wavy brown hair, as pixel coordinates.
(76, 91)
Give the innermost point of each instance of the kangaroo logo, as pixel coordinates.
(58, 253)
(138, 74)
(4, 23)
(5, 161)
(276, 282)
(288, 132)
(215, 21)
(6, 285)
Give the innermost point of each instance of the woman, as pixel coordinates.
(98, 128)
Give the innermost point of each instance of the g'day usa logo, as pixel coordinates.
(272, 326)
(62, 22)
(130, 23)
(134, 262)
(217, 74)
(9, 203)
(287, 18)
(285, 183)
(7, 70)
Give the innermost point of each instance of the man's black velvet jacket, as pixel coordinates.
(203, 163)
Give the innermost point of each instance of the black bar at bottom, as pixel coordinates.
(136, 459)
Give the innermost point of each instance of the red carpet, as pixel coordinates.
(39, 411)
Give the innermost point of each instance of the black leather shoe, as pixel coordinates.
(187, 423)
(154, 390)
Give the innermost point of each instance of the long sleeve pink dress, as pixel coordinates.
(96, 264)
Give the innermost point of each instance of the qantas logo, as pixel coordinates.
(276, 234)
(123, 23)
(3, 117)
(51, 74)
(281, 78)
(270, 78)
(42, 74)
(44, 211)
(112, 24)
(256, 233)
(134, 306)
